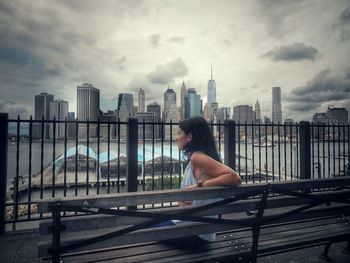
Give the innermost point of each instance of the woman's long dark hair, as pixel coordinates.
(202, 137)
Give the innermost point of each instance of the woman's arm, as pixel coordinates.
(216, 173)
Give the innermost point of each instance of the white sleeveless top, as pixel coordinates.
(188, 180)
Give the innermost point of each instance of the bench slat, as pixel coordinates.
(140, 198)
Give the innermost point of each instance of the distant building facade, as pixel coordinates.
(173, 116)
(141, 100)
(211, 89)
(243, 114)
(193, 104)
(183, 95)
(169, 100)
(156, 109)
(276, 105)
(88, 108)
(59, 112)
(42, 111)
(145, 130)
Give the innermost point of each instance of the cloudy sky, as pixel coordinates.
(121, 46)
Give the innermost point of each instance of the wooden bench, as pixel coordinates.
(256, 220)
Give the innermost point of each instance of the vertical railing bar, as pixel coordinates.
(297, 141)
(259, 148)
(144, 156)
(153, 170)
(54, 157)
(180, 166)
(339, 146)
(17, 172)
(171, 157)
(108, 156)
(245, 150)
(348, 126)
(305, 150)
(42, 161)
(273, 151)
(329, 149)
(333, 126)
(253, 151)
(162, 160)
(279, 151)
(65, 158)
(4, 131)
(318, 151)
(285, 151)
(98, 157)
(76, 158)
(344, 166)
(291, 151)
(30, 168)
(88, 156)
(323, 151)
(312, 127)
(118, 154)
(266, 155)
(239, 147)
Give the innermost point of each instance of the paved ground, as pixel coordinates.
(21, 247)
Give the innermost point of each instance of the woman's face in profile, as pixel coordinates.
(182, 139)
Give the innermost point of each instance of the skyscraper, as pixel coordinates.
(211, 89)
(42, 110)
(59, 111)
(183, 94)
(173, 116)
(88, 108)
(147, 131)
(193, 104)
(129, 103)
(243, 114)
(257, 112)
(141, 100)
(88, 102)
(276, 105)
(169, 99)
(156, 109)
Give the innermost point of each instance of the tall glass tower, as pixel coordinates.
(276, 105)
(211, 90)
(193, 104)
(88, 103)
(42, 110)
(169, 99)
(141, 100)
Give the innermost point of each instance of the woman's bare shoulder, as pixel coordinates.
(199, 157)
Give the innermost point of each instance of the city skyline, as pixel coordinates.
(124, 46)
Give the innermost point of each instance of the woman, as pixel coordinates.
(204, 167)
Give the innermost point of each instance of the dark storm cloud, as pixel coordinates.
(46, 45)
(154, 40)
(276, 14)
(324, 87)
(343, 25)
(345, 16)
(294, 52)
(165, 74)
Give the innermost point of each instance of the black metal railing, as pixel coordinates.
(55, 158)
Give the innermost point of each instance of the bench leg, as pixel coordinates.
(324, 255)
